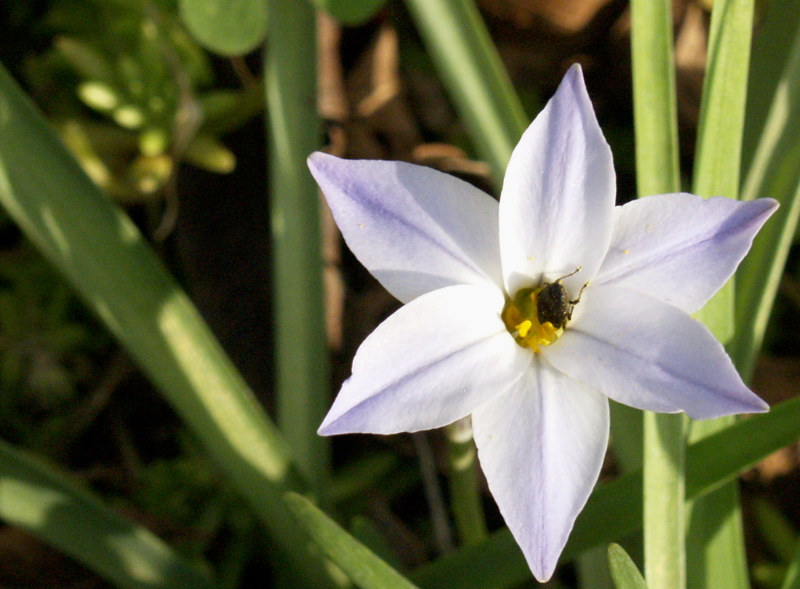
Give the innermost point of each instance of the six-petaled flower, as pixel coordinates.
(472, 337)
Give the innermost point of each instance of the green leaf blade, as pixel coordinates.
(623, 569)
(365, 568)
(36, 497)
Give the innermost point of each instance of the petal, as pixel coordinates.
(681, 248)
(415, 229)
(541, 445)
(650, 355)
(429, 364)
(557, 204)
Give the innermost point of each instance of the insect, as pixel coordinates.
(553, 302)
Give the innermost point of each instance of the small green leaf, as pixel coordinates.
(623, 569)
(364, 567)
(228, 27)
(350, 12)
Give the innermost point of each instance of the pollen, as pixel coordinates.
(521, 319)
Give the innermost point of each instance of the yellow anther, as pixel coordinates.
(521, 320)
(547, 331)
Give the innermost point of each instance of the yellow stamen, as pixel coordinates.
(522, 321)
(524, 327)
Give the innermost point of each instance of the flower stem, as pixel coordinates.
(658, 172)
(664, 486)
(294, 132)
(465, 495)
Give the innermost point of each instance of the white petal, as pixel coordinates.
(650, 355)
(681, 248)
(415, 229)
(541, 445)
(429, 364)
(557, 204)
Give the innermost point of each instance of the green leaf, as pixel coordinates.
(715, 539)
(227, 27)
(363, 567)
(350, 12)
(654, 104)
(295, 131)
(101, 252)
(623, 569)
(774, 150)
(720, 129)
(614, 510)
(37, 498)
(658, 172)
(474, 75)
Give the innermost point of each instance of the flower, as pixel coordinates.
(528, 314)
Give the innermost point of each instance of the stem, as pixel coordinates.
(294, 132)
(658, 172)
(465, 495)
(663, 496)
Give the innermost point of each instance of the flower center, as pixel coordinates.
(534, 316)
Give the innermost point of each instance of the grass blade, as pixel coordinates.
(715, 539)
(476, 79)
(37, 498)
(774, 172)
(623, 569)
(363, 567)
(658, 172)
(102, 253)
(294, 132)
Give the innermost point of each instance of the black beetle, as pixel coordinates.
(553, 304)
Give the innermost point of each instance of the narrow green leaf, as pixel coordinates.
(295, 131)
(38, 498)
(363, 567)
(719, 133)
(348, 12)
(96, 246)
(655, 108)
(658, 172)
(774, 172)
(721, 125)
(715, 539)
(623, 569)
(227, 27)
(592, 569)
(474, 75)
(614, 510)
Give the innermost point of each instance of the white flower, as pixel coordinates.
(469, 339)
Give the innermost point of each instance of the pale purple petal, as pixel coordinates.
(414, 229)
(557, 204)
(650, 355)
(432, 362)
(541, 445)
(681, 248)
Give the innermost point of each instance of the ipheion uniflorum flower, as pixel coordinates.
(529, 313)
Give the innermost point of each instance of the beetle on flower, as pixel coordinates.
(618, 285)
